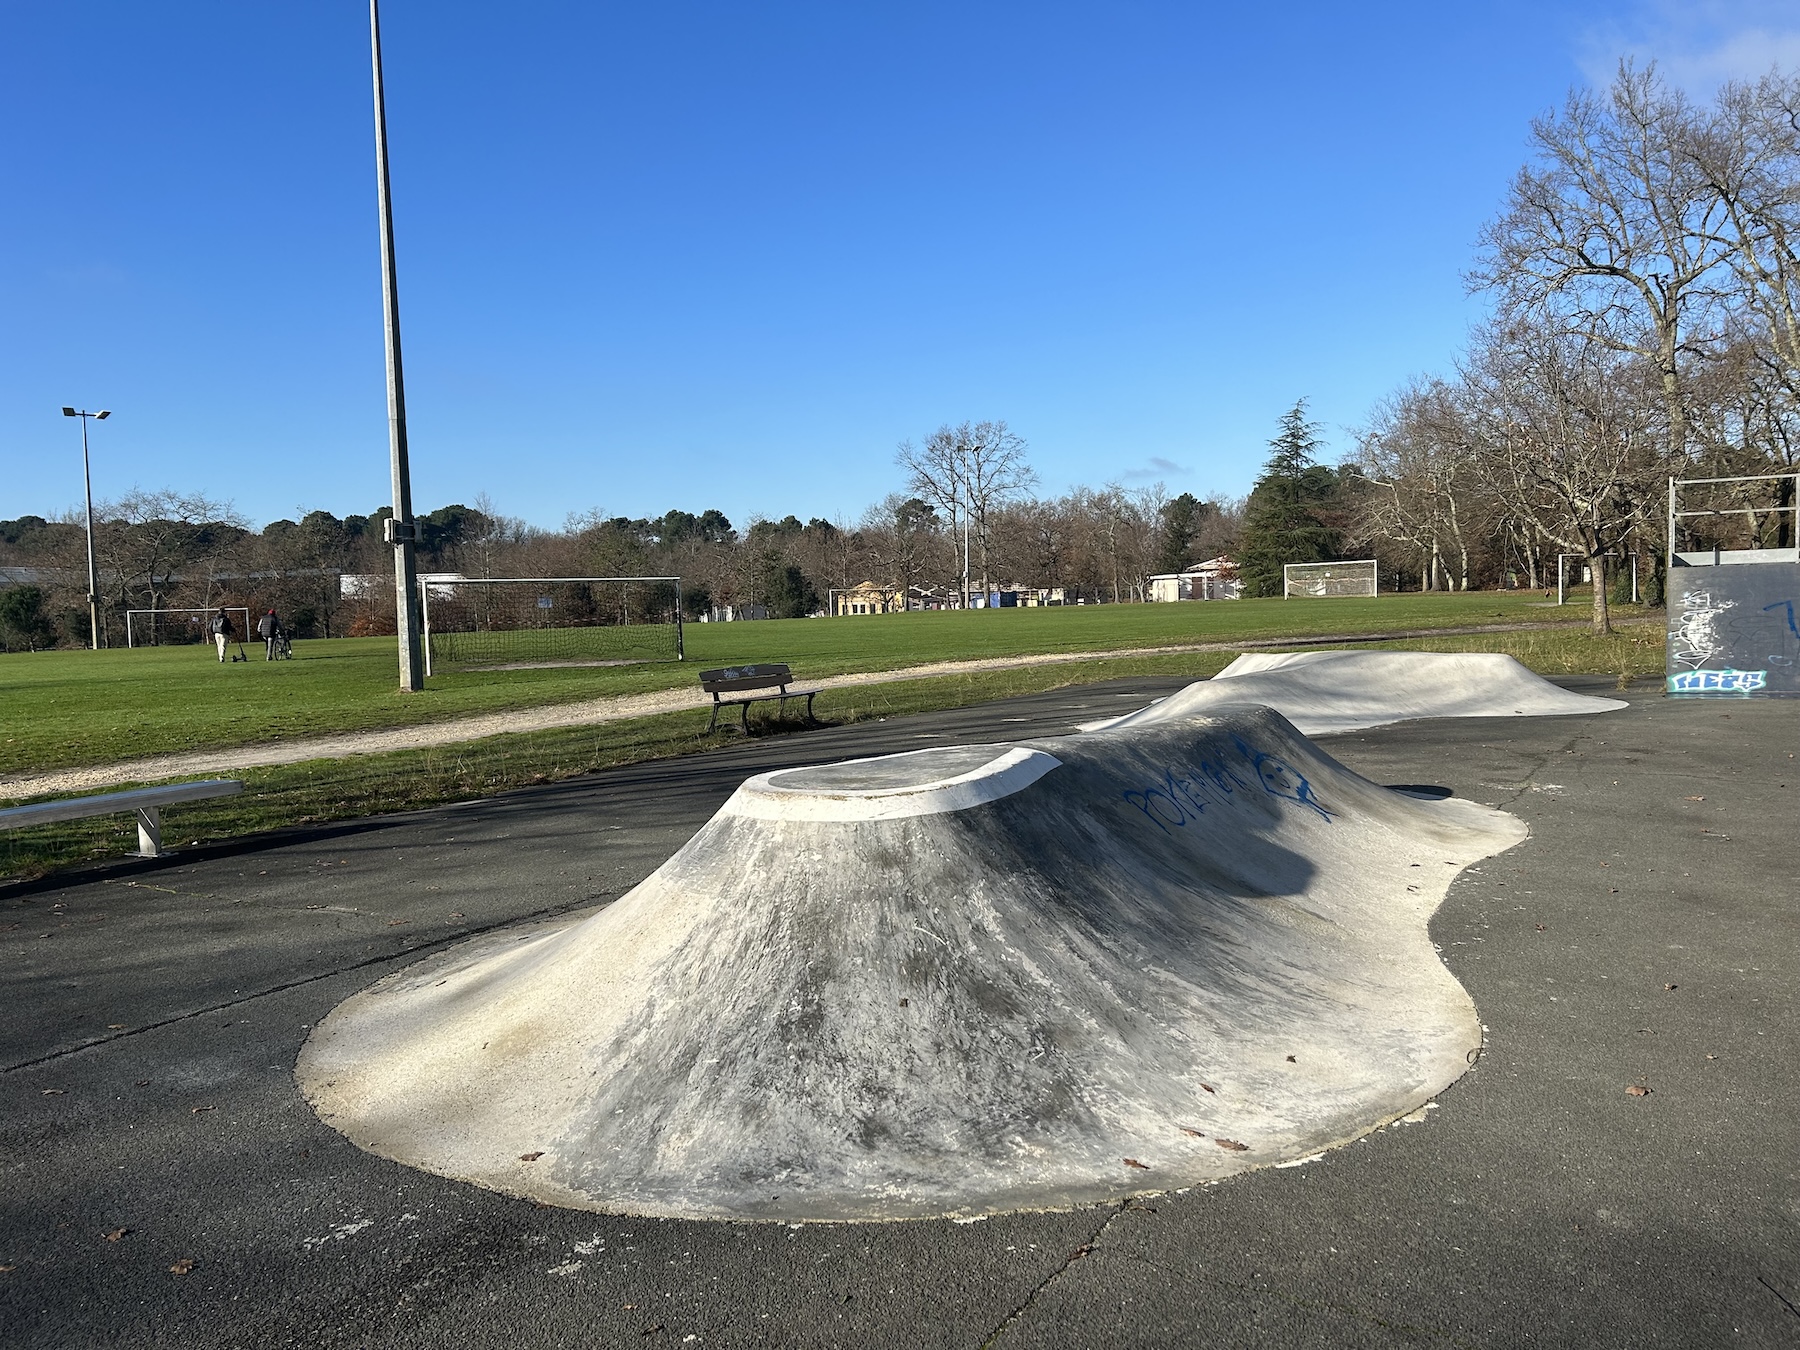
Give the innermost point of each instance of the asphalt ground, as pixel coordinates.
(165, 1183)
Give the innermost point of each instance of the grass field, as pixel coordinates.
(326, 790)
(68, 709)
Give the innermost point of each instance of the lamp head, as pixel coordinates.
(103, 414)
(68, 412)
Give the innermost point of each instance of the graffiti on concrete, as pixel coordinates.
(1718, 681)
(1181, 797)
(1695, 639)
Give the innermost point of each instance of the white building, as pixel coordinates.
(1214, 579)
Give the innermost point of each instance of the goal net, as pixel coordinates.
(179, 627)
(1329, 578)
(497, 621)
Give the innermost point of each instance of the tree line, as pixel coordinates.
(1644, 272)
(167, 551)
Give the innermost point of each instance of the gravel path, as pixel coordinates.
(592, 712)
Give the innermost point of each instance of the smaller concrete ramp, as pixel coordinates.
(1323, 692)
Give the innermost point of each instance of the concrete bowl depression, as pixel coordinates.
(953, 982)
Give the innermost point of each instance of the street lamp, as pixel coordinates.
(401, 531)
(87, 481)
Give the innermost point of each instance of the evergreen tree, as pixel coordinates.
(1286, 520)
(1177, 531)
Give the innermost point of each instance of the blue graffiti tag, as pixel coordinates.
(1788, 605)
(1179, 799)
(1719, 681)
(1279, 779)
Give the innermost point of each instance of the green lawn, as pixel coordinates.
(365, 785)
(65, 709)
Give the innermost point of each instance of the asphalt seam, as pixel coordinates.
(536, 915)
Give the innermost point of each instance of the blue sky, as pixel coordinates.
(710, 254)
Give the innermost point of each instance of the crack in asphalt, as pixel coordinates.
(1085, 1249)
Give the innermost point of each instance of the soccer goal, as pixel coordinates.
(178, 627)
(1329, 578)
(503, 621)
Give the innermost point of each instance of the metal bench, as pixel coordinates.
(147, 802)
(738, 679)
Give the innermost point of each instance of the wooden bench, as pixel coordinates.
(738, 679)
(147, 802)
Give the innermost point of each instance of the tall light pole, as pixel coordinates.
(87, 482)
(401, 530)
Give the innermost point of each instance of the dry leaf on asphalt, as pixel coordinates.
(531, 1157)
(198, 1109)
(1637, 1090)
(55, 1092)
(1196, 1133)
(1208, 1087)
(114, 1234)
(183, 1266)
(1231, 1144)
(1133, 1162)
(1670, 988)
(1695, 799)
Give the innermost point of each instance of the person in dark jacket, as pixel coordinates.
(268, 628)
(220, 627)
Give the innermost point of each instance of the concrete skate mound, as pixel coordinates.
(954, 982)
(1323, 692)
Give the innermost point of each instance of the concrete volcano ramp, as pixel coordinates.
(957, 981)
(1324, 692)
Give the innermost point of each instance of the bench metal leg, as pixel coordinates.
(746, 707)
(149, 820)
(809, 711)
(713, 721)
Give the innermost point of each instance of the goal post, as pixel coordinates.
(1358, 577)
(190, 625)
(503, 621)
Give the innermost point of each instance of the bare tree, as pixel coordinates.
(1569, 440)
(969, 472)
(1615, 234)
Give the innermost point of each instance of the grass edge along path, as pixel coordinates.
(544, 717)
(69, 710)
(317, 792)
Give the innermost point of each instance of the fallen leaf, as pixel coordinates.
(142, 1082)
(1208, 1087)
(1694, 799)
(456, 914)
(392, 922)
(113, 1235)
(1133, 1162)
(115, 1026)
(1539, 927)
(5, 1269)
(183, 1266)
(1292, 1060)
(905, 1003)
(1232, 1144)
(1670, 988)
(1637, 1090)
(651, 1331)
(1196, 1133)
(55, 1092)
(531, 1157)
(1081, 1251)
(198, 1109)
